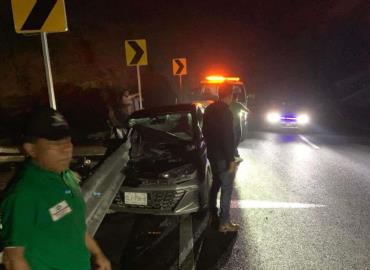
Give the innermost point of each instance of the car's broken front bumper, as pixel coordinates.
(176, 199)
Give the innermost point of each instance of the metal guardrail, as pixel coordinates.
(101, 188)
(14, 154)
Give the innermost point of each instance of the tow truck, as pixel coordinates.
(208, 93)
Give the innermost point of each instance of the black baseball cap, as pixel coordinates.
(46, 123)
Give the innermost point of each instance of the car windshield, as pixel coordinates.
(176, 124)
(211, 89)
(238, 92)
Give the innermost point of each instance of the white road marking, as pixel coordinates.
(303, 138)
(187, 240)
(186, 243)
(255, 204)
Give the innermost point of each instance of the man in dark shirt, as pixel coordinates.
(219, 135)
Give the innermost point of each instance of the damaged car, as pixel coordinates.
(168, 172)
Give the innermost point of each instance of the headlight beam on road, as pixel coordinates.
(255, 204)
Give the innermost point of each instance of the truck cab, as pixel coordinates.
(208, 93)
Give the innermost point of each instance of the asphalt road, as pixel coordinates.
(303, 201)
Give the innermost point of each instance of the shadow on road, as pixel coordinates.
(216, 250)
(151, 243)
(113, 235)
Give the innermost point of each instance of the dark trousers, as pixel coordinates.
(223, 180)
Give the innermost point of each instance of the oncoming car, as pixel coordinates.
(287, 117)
(168, 172)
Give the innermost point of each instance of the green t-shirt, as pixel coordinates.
(44, 212)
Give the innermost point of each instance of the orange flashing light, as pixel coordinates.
(232, 79)
(221, 79)
(215, 79)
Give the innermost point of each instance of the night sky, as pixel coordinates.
(271, 44)
(279, 47)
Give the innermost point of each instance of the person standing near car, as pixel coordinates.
(42, 211)
(218, 132)
(128, 102)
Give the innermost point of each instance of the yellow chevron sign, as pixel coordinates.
(136, 52)
(179, 66)
(34, 16)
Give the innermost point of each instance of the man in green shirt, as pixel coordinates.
(42, 212)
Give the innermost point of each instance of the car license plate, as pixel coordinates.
(136, 198)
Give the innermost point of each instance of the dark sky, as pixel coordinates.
(275, 46)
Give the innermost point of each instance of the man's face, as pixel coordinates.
(228, 99)
(50, 155)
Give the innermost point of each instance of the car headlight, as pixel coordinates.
(303, 119)
(273, 117)
(179, 174)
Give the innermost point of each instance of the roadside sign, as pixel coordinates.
(136, 52)
(136, 55)
(179, 67)
(35, 16)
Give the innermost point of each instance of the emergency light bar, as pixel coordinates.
(221, 79)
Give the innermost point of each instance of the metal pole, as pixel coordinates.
(180, 82)
(180, 89)
(49, 75)
(139, 86)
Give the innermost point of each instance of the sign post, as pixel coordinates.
(49, 75)
(40, 16)
(136, 55)
(179, 68)
(180, 81)
(139, 86)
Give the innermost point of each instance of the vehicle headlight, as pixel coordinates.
(243, 115)
(273, 117)
(303, 119)
(179, 174)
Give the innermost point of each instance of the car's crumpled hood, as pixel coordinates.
(154, 152)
